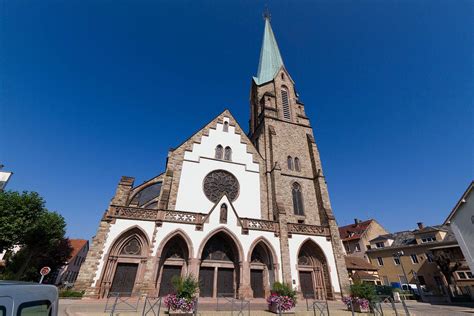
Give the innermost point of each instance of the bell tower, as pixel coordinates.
(282, 133)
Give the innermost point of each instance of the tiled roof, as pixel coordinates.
(406, 238)
(353, 231)
(358, 263)
(77, 245)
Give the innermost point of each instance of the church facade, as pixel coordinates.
(237, 211)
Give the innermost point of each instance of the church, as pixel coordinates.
(238, 211)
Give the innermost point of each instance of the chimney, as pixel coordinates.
(420, 225)
(356, 221)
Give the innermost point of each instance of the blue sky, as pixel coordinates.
(93, 90)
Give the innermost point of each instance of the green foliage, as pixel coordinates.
(40, 233)
(186, 287)
(384, 290)
(19, 212)
(284, 289)
(70, 293)
(364, 290)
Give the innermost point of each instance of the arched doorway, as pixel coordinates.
(262, 270)
(174, 260)
(313, 272)
(219, 273)
(125, 264)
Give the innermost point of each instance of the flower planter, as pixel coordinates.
(273, 307)
(180, 313)
(358, 308)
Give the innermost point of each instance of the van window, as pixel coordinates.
(3, 311)
(36, 308)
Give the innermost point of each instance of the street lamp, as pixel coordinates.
(399, 254)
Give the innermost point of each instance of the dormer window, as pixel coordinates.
(380, 245)
(219, 152)
(228, 154)
(428, 239)
(226, 126)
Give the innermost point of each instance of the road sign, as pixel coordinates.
(44, 271)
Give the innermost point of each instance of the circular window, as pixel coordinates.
(220, 182)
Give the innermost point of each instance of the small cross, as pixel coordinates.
(266, 13)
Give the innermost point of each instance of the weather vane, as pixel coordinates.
(266, 13)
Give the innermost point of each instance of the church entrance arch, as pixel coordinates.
(173, 261)
(219, 273)
(125, 264)
(262, 269)
(313, 272)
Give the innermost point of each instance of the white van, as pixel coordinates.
(25, 299)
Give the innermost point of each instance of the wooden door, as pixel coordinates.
(320, 293)
(225, 282)
(306, 283)
(166, 284)
(256, 281)
(124, 278)
(206, 281)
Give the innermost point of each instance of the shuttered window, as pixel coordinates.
(286, 104)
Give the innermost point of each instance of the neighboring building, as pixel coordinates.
(356, 237)
(4, 254)
(238, 212)
(457, 274)
(461, 220)
(417, 259)
(360, 270)
(4, 177)
(69, 272)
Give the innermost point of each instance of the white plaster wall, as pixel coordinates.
(120, 226)
(295, 243)
(197, 237)
(463, 227)
(198, 163)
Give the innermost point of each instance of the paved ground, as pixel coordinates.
(257, 308)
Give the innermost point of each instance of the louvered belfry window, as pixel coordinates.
(286, 104)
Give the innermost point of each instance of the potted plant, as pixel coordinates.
(183, 302)
(361, 296)
(282, 298)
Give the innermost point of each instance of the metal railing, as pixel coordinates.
(240, 307)
(121, 302)
(152, 306)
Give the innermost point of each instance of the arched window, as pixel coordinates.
(228, 154)
(289, 161)
(297, 164)
(282, 76)
(285, 101)
(223, 214)
(219, 152)
(297, 199)
(226, 126)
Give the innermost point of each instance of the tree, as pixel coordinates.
(41, 238)
(447, 265)
(18, 213)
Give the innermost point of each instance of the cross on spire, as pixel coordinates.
(266, 13)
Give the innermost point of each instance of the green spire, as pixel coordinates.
(270, 58)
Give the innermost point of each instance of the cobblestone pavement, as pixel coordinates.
(89, 307)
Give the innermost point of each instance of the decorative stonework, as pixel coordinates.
(183, 217)
(134, 212)
(304, 229)
(220, 182)
(258, 224)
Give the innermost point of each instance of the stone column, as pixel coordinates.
(87, 273)
(327, 216)
(245, 290)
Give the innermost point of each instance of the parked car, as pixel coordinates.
(28, 299)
